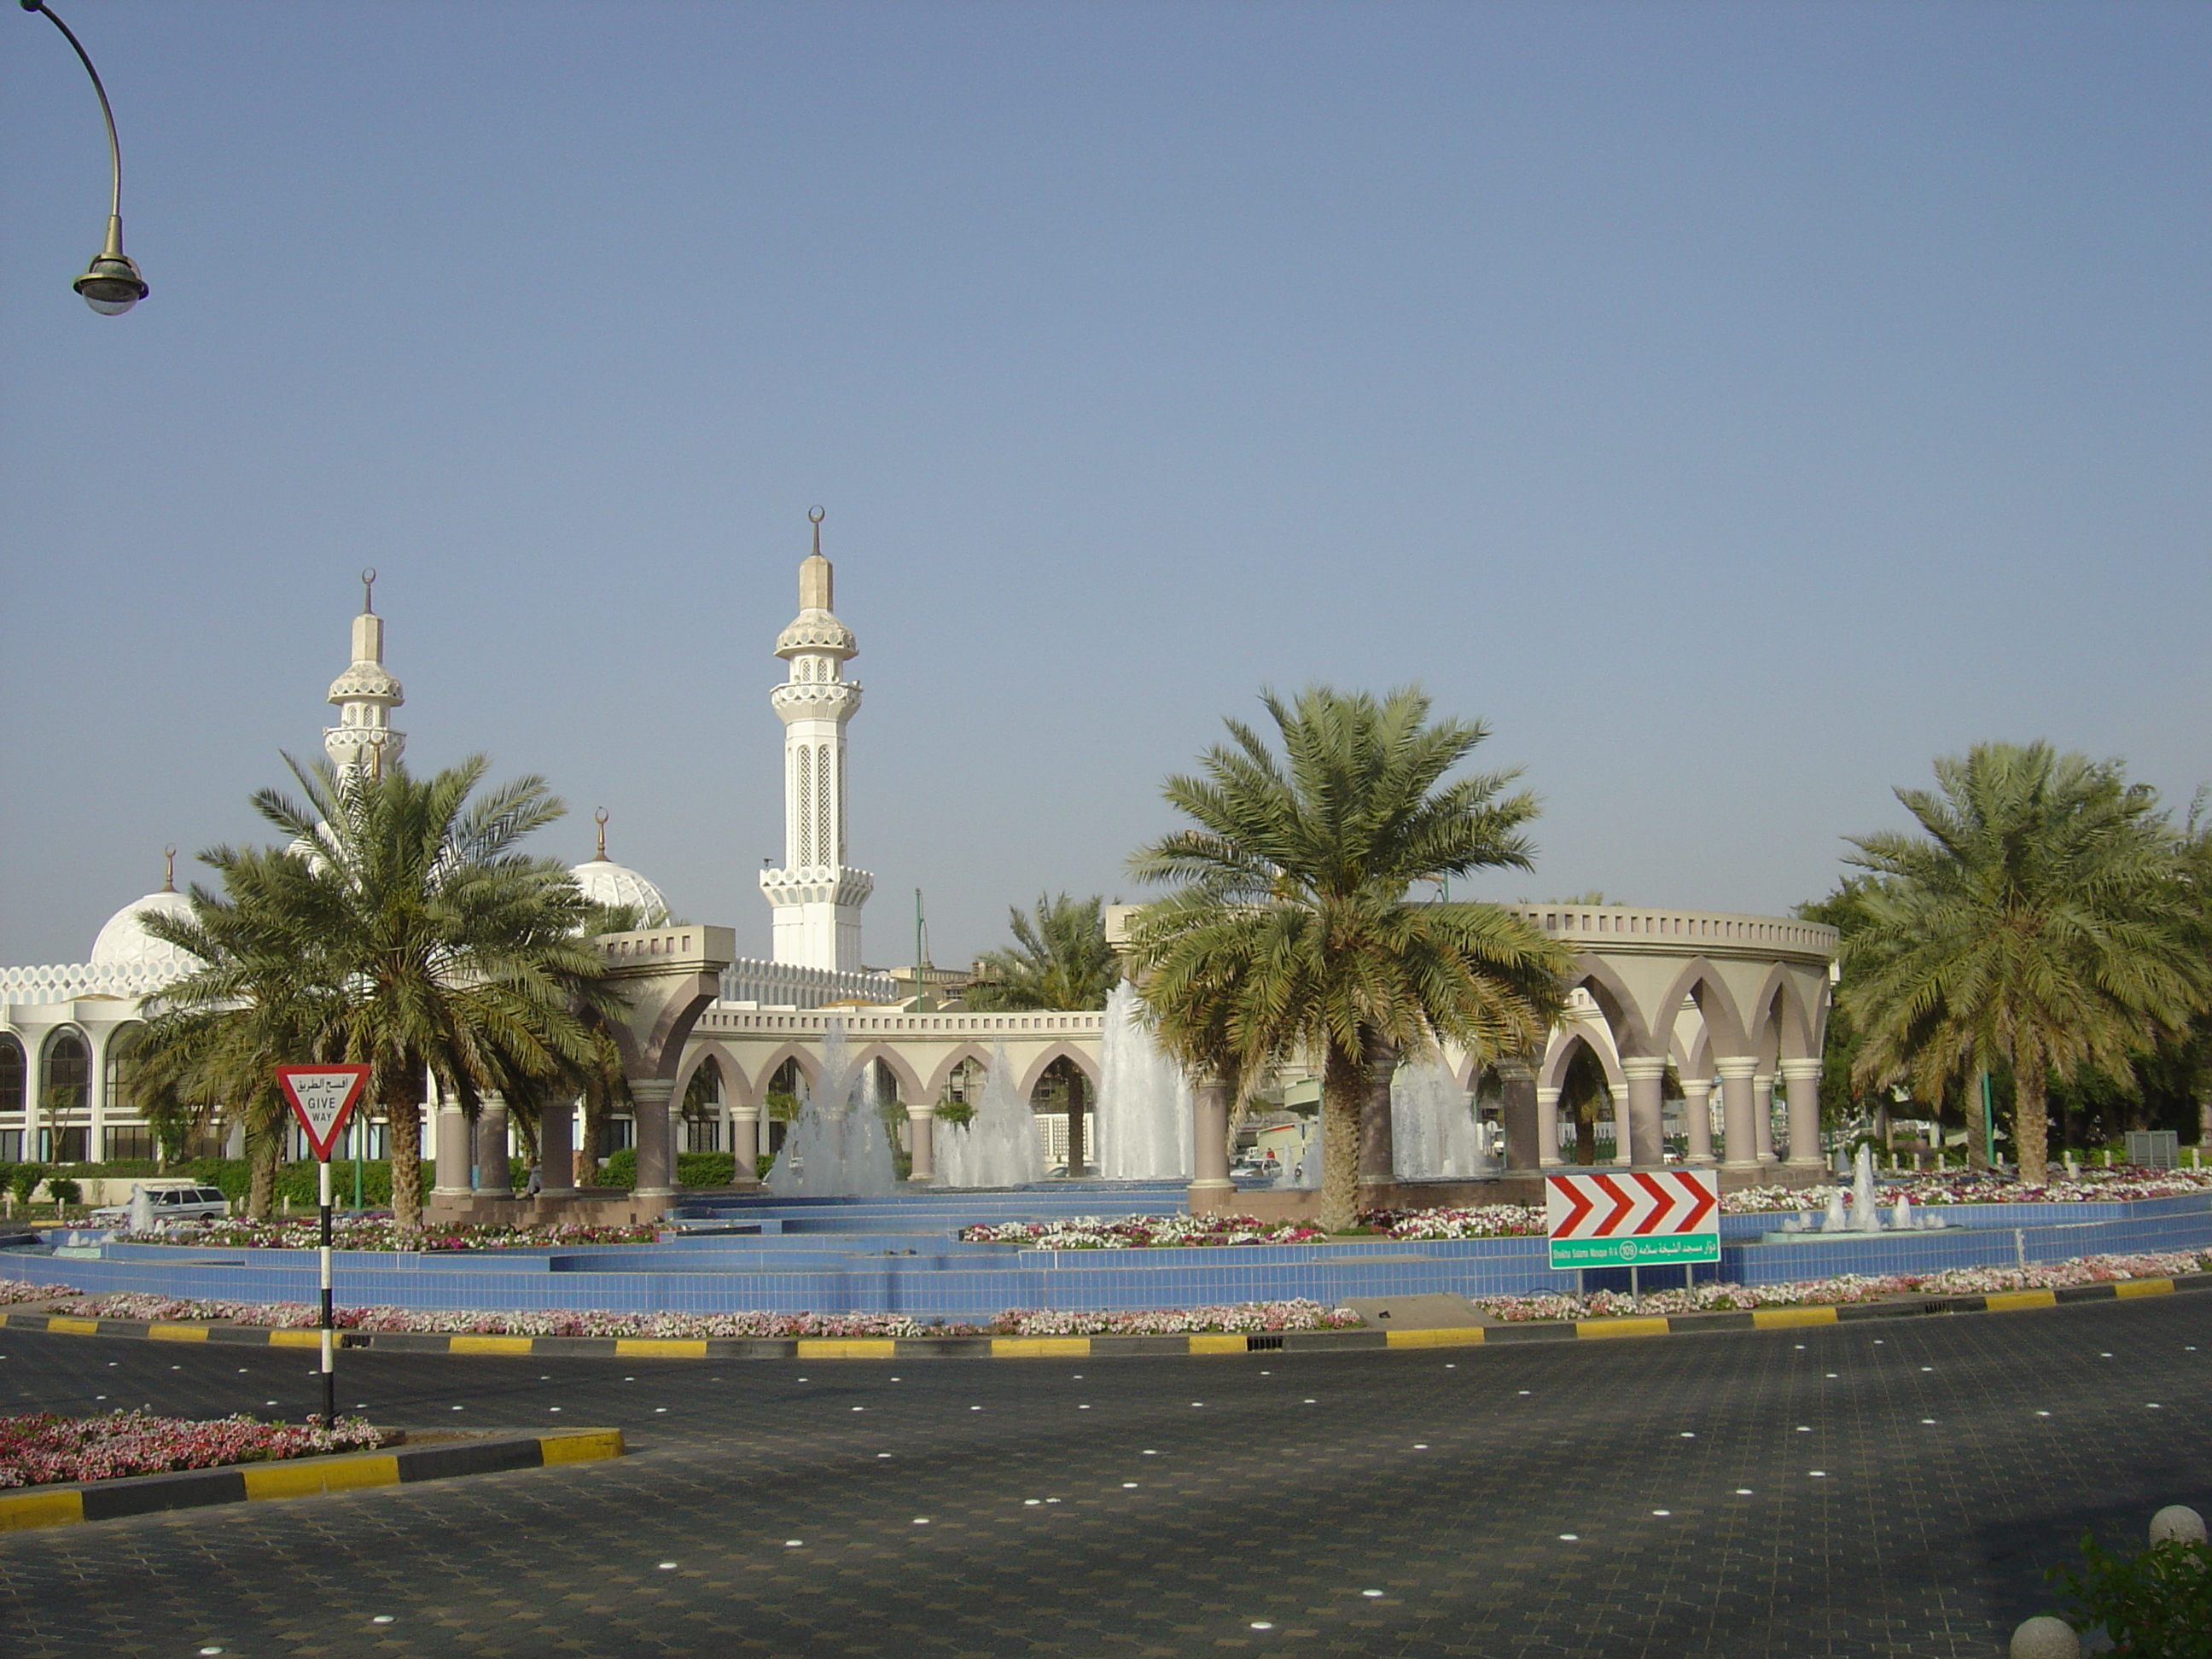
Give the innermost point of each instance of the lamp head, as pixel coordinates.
(110, 284)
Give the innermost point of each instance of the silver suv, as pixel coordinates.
(178, 1203)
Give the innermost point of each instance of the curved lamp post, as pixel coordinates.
(110, 284)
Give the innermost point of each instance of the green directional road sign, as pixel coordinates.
(1632, 1218)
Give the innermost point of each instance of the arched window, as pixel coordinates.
(13, 1094)
(11, 1077)
(66, 1095)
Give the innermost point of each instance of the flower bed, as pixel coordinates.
(42, 1448)
(1927, 1190)
(1714, 1297)
(298, 1234)
(22, 1290)
(1294, 1316)
(1139, 1232)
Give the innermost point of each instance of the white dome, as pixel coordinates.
(606, 882)
(124, 942)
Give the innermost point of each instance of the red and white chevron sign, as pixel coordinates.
(1626, 1218)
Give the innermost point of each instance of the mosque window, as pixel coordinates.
(11, 1076)
(69, 1067)
(822, 837)
(805, 795)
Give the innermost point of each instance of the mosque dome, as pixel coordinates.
(604, 882)
(124, 942)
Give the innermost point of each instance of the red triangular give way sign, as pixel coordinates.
(321, 1095)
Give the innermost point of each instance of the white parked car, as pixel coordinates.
(177, 1201)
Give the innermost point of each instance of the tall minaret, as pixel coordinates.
(816, 899)
(366, 695)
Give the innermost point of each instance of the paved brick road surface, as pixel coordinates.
(1390, 1503)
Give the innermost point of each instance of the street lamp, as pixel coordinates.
(110, 284)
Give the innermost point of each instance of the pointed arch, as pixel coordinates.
(943, 1072)
(902, 1070)
(1623, 1018)
(1781, 1005)
(754, 1088)
(1066, 1051)
(696, 1055)
(1561, 1054)
(1701, 981)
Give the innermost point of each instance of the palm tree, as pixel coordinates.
(217, 1036)
(441, 950)
(1290, 932)
(1060, 959)
(2032, 926)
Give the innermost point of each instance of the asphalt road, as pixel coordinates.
(1886, 1489)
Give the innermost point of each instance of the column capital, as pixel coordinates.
(1808, 1070)
(1642, 1065)
(745, 1113)
(1743, 1066)
(646, 1089)
(921, 1110)
(1549, 1097)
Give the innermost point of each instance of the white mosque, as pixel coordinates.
(1730, 1007)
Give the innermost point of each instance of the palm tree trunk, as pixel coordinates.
(1074, 1121)
(402, 1100)
(2031, 1119)
(1585, 1133)
(1378, 1063)
(260, 1178)
(1341, 1088)
(595, 1125)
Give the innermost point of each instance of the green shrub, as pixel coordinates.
(63, 1190)
(762, 1164)
(705, 1170)
(2154, 1605)
(23, 1180)
(620, 1168)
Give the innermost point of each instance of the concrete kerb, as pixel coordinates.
(300, 1477)
(1209, 1343)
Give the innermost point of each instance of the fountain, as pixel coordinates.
(1143, 1116)
(837, 1148)
(1433, 1133)
(1861, 1217)
(997, 1147)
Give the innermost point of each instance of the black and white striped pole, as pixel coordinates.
(321, 1097)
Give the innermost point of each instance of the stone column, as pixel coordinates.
(1762, 1115)
(1803, 1077)
(1647, 1108)
(1209, 1144)
(1622, 1134)
(656, 1167)
(493, 1176)
(1737, 1109)
(1524, 1147)
(1548, 1127)
(452, 1152)
(556, 1148)
(745, 1144)
(1698, 1118)
(921, 1138)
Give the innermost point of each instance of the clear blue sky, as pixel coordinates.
(1734, 406)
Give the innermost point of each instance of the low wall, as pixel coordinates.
(942, 1279)
(1514, 1187)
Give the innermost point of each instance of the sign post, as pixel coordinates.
(1632, 1218)
(321, 1096)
